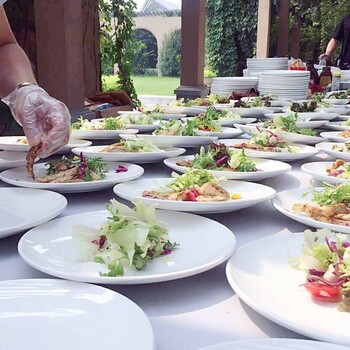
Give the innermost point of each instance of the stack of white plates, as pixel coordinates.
(226, 85)
(289, 84)
(257, 65)
(345, 75)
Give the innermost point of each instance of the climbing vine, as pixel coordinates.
(117, 26)
(230, 34)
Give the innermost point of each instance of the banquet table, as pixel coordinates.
(197, 311)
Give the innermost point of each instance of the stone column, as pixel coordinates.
(60, 49)
(192, 50)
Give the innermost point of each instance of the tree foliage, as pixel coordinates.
(169, 58)
(117, 36)
(230, 34)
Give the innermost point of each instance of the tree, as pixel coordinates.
(169, 60)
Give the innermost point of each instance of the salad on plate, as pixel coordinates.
(219, 157)
(339, 169)
(329, 204)
(112, 123)
(128, 238)
(132, 145)
(326, 261)
(195, 185)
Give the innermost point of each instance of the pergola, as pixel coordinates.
(60, 38)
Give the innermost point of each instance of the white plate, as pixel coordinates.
(337, 126)
(336, 109)
(225, 133)
(12, 159)
(333, 136)
(182, 110)
(9, 143)
(167, 116)
(101, 134)
(318, 171)
(19, 177)
(287, 136)
(306, 116)
(58, 255)
(23, 208)
(44, 314)
(274, 344)
(326, 147)
(137, 157)
(312, 124)
(229, 122)
(251, 194)
(284, 201)
(269, 285)
(336, 101)
(175, 141)
(304, 152)
(143, 128)
(249, 112)
(269, 168)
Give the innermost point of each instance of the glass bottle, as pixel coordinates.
(325, 77)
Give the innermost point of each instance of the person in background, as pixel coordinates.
(341, 35)
(45, 120)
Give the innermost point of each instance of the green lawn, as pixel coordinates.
(164, 86)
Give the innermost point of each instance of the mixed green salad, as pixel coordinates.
(332, 194)
(202, 101)
(339, 169)
(326, 260)
(140, 119)
(113, 123)
(220, 157)
(175, 127)
(129, 237)
(132, 145)
(287, 123)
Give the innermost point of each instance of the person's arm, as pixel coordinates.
(45, 120)
(15, 67)
(331, 47)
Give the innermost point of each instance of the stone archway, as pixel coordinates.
(159, 26)
(150, 58)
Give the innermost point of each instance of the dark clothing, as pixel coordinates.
(342, 34)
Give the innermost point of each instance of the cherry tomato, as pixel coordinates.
(190, 196)
(323, 292)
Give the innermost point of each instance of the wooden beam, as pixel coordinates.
(283, 32)
(263, 36)
(60, 49)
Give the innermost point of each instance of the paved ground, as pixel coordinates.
(162, 100)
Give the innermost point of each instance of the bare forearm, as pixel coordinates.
(15, 68)
(331, 47)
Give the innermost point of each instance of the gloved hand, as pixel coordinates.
(45, 120)
(324, 56)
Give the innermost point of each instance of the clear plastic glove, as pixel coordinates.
(44, 119)
(324, 57)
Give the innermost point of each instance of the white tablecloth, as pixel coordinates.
(196, 311)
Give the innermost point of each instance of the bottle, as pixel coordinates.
(314, 79)
(336, 81)
(325, 77)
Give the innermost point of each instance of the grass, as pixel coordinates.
(163, 86)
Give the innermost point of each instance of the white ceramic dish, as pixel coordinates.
(269, 168)
(167, 116)
(304, 152)
(334, 136)
(175, 141)
(274, 344)
(318, 171)
(251, 194)
(311, 124)
(336, 101)
(143, 128)
(284, 201)
(10, 159)
(44, 314)
(137, 157)
(19, 177)
(335, 109)
(59, 256)
(326, 147)
(10, 143)
(307, 116)
(269, 285)
(287, 136)
(224, 133)
(249, 112)
(23, 208)
(337, 126)
(182, 110)
(102, 134)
